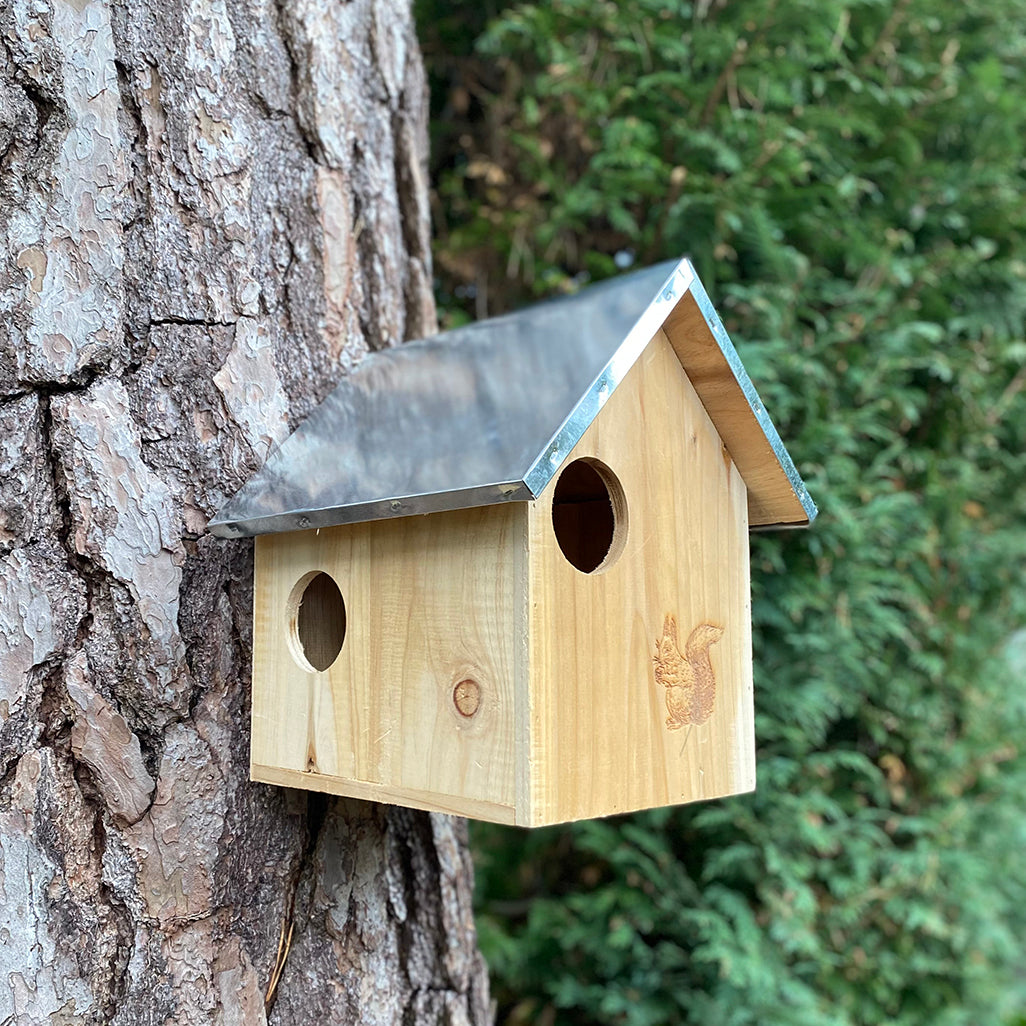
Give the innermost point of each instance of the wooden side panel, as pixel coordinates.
(431, 603)
(771, 497)
(610, 730)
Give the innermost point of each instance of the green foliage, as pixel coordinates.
(849, 178)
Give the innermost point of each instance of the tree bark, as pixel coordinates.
(210, 209)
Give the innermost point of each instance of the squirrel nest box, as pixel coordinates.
(503, 572)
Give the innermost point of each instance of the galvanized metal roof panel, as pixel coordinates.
(475, 416)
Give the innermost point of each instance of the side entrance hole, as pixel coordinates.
(316, 616)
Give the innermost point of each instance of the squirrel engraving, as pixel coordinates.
(689, 680)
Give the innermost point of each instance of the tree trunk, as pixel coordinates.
(210, 209)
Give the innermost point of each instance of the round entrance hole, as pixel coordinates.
(589, 515)
(316, 616)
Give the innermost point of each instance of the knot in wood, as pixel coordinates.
(467, 697)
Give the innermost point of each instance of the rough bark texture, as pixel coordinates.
(209, 209)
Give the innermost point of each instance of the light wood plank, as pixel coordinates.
(431, 602)
(771, 497)
(599, 741)
(410, 797)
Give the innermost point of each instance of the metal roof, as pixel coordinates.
(483, 414)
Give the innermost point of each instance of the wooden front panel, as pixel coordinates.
(611, 728)
(418, 707)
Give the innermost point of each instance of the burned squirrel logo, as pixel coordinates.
(689, 680)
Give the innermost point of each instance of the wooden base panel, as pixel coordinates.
(409, 797)
(452, 805)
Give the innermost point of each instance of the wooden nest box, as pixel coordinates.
(503, 572)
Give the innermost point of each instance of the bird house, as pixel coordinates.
(503, 572)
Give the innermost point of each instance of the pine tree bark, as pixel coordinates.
(210, 209)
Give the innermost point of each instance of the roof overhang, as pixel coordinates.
(777, 496)
(488, 413)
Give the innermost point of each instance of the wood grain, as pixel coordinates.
(599, 743)
(771, 498)
(435, 610)
(411, 797)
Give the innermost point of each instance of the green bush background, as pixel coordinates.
(850, 180)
